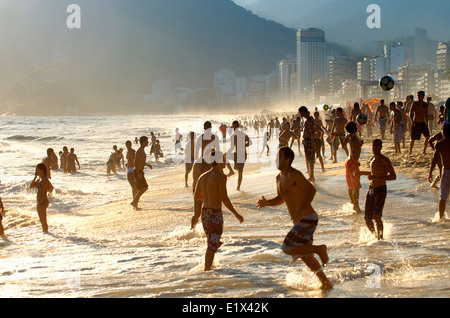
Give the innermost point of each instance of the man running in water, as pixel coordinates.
(131, 156)
(211, 191)
(138, 172)
(298, 193)
(381, 170)
(419, 119)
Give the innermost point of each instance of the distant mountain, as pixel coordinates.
(123, 45)
(344, 21)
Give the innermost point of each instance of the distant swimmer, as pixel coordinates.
(49, 161)
(43, 184)
(298, 193)
(64, 157)
(211, 191)
(158, 151)
(152, 143)
(131, 156)
(382, 117)
(381, 171)
(352, 171)
(442, 151)
(71, 160)
(419, 125)
(239, 142)
(111, 164)
(138, 172)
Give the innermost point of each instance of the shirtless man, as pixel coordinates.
(338, 133)
(43, 185)
(352, 172)
(71, 159)
(138, 172)
(285, 135)
(296, 133)
(419, 122)
(211, 191)
(239, 142)
(320, 132)
(131, 156)
(309, 136)
(49, 161)
(382, 117)
(381, 170)
(396, 127)
(204, 146)
(64, 157)
(442, 152)
(298, 193)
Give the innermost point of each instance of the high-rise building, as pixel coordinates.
(310, 59)
(364, 70)
(287, 68)
(341, 69)
(395, 57)
(443, 56)
(224, 85)
(420, 46)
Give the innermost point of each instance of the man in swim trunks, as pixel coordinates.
(239, 142)
(382, 117)
(352, 173)
(338, 133)
(419, 125)
(298, 193)
(131, 156)
(71, 160)
(443, 152)
(381, 170)
(138, 173)
(309, 135)
(211, 190)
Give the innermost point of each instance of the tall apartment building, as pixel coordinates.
(443, 56)
(310, 60)
(287, 70)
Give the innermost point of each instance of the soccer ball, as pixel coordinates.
(362, 119)
(387, 83)
(326, 107)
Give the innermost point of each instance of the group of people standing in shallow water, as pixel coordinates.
(204, 158)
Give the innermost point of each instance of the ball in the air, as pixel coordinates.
(326, 107)
(362, 119)
(387, 83)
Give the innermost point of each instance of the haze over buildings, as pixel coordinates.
(178, 55)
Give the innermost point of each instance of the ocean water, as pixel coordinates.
(99, 246)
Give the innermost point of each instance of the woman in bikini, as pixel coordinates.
(43, 185)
